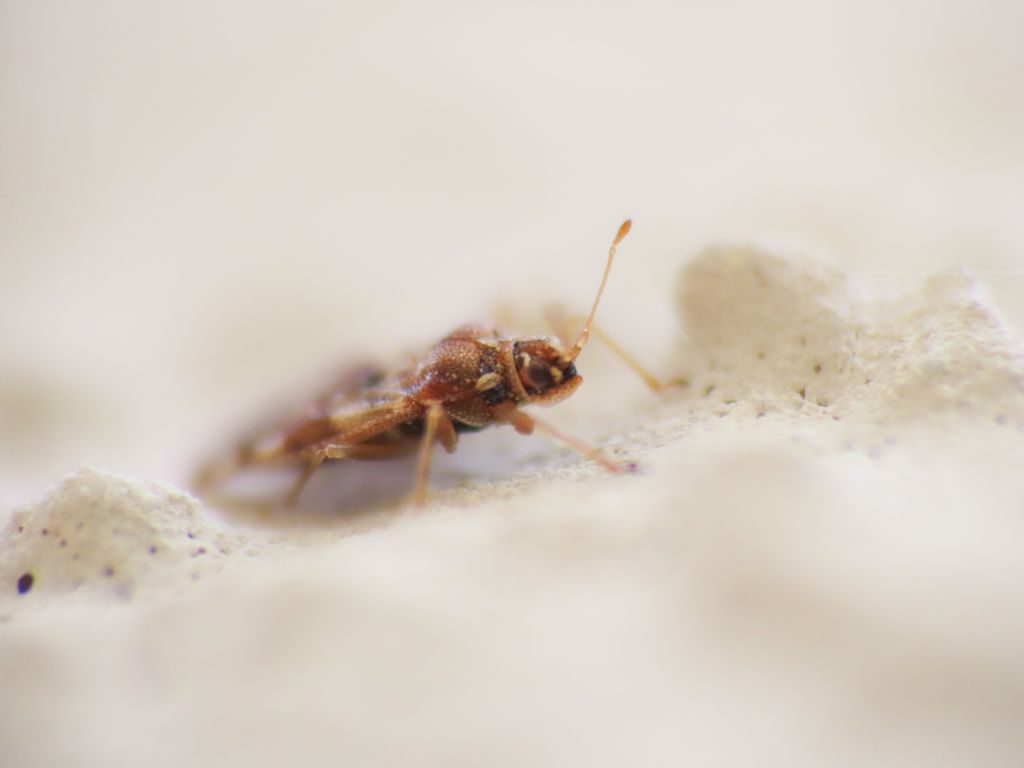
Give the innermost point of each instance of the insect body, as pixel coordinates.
(471, 379)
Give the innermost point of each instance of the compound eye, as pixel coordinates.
(539, 375)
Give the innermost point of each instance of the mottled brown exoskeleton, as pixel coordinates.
(473, 378)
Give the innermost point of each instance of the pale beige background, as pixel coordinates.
(204, 207)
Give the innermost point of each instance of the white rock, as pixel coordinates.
(104, 535)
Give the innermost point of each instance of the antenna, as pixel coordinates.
(585, 333)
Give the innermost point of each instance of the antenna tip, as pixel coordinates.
(623, 231)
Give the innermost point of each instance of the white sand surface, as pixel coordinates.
(818, 560)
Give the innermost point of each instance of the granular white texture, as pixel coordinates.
(764, 326)
(943, 352)
(791, 333)
(103, 535)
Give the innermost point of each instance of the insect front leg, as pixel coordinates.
(524, 424)
(563, 328)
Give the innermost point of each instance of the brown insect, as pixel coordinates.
(473, 378)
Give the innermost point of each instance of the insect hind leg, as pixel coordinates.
(315, 458)
(215, 473)
(312, 464)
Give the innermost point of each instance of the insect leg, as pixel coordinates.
(524, 424)
(351, 430)
(339, 451)
(563, 326)
(315, 460)
(215, 472)
(435, 421)
(652, 381)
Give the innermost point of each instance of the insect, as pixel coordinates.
(473, 378)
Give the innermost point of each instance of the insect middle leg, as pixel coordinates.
(437, 426)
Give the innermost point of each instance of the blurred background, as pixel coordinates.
(203, 205)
